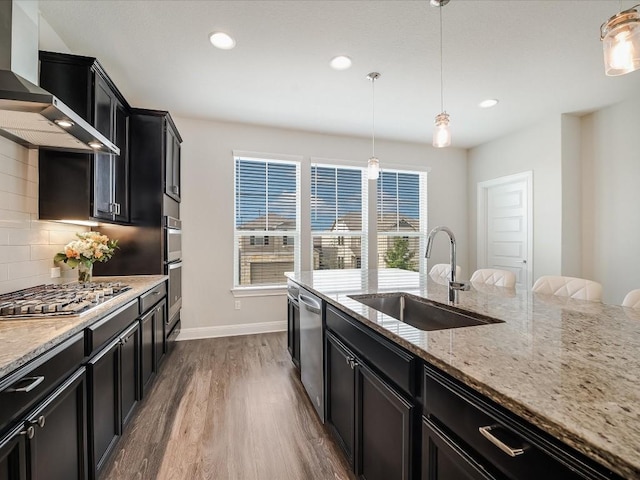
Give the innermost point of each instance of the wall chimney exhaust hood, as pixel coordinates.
(29, 115)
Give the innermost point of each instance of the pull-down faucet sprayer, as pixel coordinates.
(454, 285)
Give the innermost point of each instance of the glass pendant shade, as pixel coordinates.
(620, 37)
(373, 168)
(442, 133)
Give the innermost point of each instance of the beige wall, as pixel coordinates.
(207, 206)
(611, 198)
(27, 245)
(538, 149)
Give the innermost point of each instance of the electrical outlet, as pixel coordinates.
(238, 304)
(55, 272)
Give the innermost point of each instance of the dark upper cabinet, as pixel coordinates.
(172, 162)
(83, 186)
(155, 168)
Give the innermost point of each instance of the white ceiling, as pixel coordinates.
(538, 57)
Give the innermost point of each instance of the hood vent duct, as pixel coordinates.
(29, 115)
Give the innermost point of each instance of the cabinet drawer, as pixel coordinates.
(101, 332)
(396, 364)
(152, 297)
(24, 387)
(496, 437)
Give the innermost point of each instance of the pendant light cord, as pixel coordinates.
(441, 68)
(373, 117)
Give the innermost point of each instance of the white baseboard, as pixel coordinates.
(231, 330)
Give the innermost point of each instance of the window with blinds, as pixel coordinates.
(402, 219)
(338, 217)
(267, 223)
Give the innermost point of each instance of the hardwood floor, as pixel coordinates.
(227, 408)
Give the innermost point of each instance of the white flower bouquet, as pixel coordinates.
(90, 247)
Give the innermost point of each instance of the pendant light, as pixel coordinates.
(442, 133)
(620, 36)
(373, 165)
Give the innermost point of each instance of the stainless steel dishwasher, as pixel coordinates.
(311, 349)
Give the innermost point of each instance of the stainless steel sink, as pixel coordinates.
(422, 313)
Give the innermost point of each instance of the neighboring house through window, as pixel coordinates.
(267, 193)
(338, 217)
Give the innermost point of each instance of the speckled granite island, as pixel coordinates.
(569, 367)
(23, 340)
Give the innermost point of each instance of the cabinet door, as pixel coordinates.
(104, 404)
(129, 371)
(103, 204)
(443, 459)
(103, 109)
(159, 322)
(12, 455)
(121, 165)
(58, 448)
(384, 434)
(340, 370)
(147, 349)
(172, 164)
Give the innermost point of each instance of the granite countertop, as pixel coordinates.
(23, 340)
(570, 367)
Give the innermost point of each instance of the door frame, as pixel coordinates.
(481, 224)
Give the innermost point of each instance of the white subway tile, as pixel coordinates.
(57, 237)
(11, 219)
(28, 237)
(18, 203)
(28, 269)
(4, 235)
(3, 272)
(44, 252)
(12, 253)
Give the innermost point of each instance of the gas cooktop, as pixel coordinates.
(69, 299)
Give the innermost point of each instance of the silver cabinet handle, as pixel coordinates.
(35, 381)
(29, 432)
(486, 433)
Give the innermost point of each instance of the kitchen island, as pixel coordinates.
(570, 368)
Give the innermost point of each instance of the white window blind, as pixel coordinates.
(338, 217)
(402, 219)
(267, 223)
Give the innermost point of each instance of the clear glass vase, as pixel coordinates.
(85, 273)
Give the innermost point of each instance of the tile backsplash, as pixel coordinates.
(27, 245)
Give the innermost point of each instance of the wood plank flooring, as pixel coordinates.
(227, 408)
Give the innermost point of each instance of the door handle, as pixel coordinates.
(35, 381)
(486, 433)
(521, 261)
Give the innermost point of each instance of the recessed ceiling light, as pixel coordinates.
(340, 62)
(222, 41)
(490, 102)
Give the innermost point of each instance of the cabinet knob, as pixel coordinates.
(29, 432)
(40, 421)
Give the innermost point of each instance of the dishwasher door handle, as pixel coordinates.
(310, 304)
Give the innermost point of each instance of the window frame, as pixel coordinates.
(240, 290)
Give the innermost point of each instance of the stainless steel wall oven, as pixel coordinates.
(173, 268)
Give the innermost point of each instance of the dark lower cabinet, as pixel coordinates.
(371, 421)
(152, 332)
(384, 433)
(341, 399)
(13, 464)
(129, 371)
(104, 409)
(114, 390)
(443, 459)
(56, 449)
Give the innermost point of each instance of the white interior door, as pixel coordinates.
(504, 225)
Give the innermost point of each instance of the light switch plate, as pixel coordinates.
(55, 272)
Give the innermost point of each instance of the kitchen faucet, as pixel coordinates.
(454, 285)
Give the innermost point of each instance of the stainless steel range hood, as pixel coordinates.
(29, 115)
